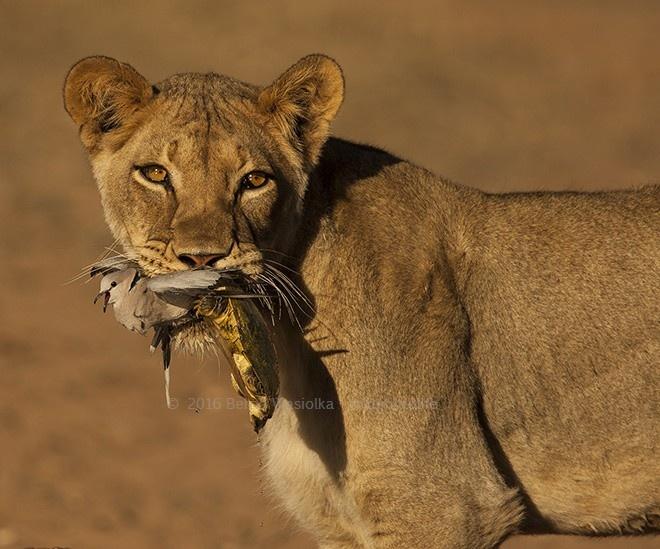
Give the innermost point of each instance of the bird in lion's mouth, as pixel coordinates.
(203, 308)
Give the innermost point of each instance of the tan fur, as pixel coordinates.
(473, 365)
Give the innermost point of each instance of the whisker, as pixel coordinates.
(269, 284)
(281, 265)
(107, 258)
(307, 302)
(289, 288)
(271, 251)
(111, 249)
(285, 298)
(85, 271)
(265, 299)
(293, 287)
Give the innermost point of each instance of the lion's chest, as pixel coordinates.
(303, 482)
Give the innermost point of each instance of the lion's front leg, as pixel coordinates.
(432, 510)
(450, 497)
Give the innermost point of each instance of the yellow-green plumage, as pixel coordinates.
(254, 372)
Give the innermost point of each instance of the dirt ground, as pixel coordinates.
(499, 95)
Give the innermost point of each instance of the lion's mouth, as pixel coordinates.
(154, 299)
(170, 301)
(144, 299)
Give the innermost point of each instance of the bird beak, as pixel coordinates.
(106, 298)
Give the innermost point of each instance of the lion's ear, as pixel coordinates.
(103, 95)
(303, 101)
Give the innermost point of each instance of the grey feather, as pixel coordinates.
(135, 305)
(187, 282)
(111, 265)
(140, 303)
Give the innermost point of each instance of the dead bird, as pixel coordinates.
(174, 302)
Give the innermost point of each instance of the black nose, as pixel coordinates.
(199, 260)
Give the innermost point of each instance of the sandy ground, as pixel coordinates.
(498, 95)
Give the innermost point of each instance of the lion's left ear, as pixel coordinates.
(303, 101)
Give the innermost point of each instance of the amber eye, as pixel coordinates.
(254, 180)
(155, 173)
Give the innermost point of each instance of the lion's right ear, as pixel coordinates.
(103, 96)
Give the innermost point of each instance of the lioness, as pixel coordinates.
(468, 365)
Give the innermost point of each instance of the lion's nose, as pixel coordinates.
(199, 260)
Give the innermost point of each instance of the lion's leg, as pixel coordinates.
(341, 545)
(441, 515)
(449, 494)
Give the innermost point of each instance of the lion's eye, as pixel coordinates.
(254, 180)
(155, 173)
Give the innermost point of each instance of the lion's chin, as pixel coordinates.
(196, 338)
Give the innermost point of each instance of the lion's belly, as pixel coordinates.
(576, 485)
(576, 422)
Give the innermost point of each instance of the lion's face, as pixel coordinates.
(201, 170)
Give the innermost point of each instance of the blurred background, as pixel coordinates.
(499, 95)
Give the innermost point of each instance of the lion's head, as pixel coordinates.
(201, 170)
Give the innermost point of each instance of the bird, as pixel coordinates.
(171, 301)
(141, 303)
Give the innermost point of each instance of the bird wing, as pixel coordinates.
(186, 282)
